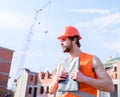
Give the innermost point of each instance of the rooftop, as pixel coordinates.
(111, 62)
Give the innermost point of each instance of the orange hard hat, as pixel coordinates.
(69, 31)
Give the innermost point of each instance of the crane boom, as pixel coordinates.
(28, 41)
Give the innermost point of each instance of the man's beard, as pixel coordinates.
(67, 49)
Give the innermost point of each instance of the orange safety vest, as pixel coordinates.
(86, 69)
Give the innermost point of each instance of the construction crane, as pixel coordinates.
(28, 41)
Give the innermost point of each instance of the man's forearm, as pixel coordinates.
(53, 88)
(104, 85)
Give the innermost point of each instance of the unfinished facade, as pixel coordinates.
(112, 67)
(31, 84)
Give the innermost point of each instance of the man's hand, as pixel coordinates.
(78, 76)
(60, 76)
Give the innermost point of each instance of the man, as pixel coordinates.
(91, 75)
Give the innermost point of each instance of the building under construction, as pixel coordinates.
(112, 67)
(31, 84)
(5, 64)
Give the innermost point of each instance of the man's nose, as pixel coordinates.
(61, 43)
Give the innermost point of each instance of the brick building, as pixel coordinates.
(5, 64)
(45, 80)
(112, 67)
(31, 84)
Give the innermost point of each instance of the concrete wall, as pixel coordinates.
(21, 85)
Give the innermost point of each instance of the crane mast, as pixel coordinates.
(28, 41)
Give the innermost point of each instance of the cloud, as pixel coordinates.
(13, 20)
(93, 11)
(106, 26)
(107, 20)
(102, 21)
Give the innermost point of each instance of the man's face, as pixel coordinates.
(66, 44)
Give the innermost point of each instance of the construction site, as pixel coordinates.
(28, 83)
(36, 84)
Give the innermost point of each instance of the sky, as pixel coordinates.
(31, 27)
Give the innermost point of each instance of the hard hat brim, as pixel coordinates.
(62, 37)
